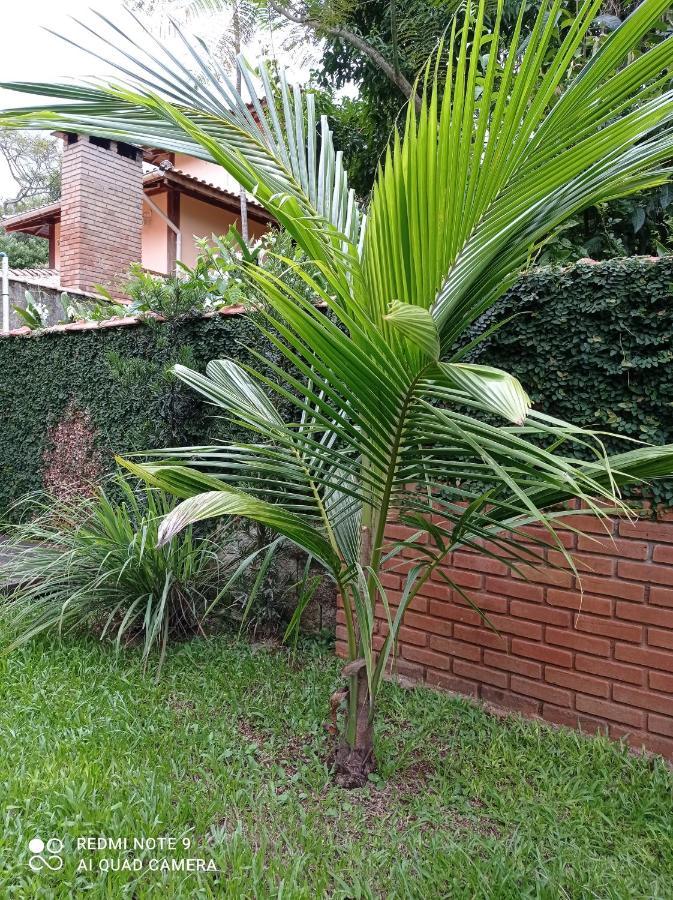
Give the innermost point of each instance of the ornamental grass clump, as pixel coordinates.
(388, 422)
(95, 564)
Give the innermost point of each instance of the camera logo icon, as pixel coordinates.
(45, 856)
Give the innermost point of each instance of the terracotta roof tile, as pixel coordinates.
(159, 175)
(42, 277)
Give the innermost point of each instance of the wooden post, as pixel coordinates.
(52, 246)
(173, 213)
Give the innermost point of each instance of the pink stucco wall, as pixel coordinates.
(155, 237)
(208, 171)
(199, 220)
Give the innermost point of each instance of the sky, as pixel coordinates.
(29, 53)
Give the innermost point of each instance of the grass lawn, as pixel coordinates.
(227, 751)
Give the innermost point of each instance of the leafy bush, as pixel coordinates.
(94, 563)
(23, 250)
(633, 225)
(273, 584)
(171, 296)
(217, 280)
(91, 310)
(35, 313)
(214, 282)
(218, 273)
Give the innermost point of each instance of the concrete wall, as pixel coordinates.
(48, 298)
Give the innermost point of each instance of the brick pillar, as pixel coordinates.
(101, 212)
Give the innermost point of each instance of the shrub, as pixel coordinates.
(171, 296)
(217, 279)
(94, 564)
(24, 251)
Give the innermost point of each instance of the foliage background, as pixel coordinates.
(592, 343)
(120, 377)
(24, 250)
(34, 162)
(406, 35)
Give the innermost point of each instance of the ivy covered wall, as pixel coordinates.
(118, 377)
(592, 344)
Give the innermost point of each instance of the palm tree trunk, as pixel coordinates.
(354, 759)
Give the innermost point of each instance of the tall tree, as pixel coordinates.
(404, 35)
(370, 30)
(23, 250)
(34, 162)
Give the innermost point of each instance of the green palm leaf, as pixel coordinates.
(493, 389)
(415, 324)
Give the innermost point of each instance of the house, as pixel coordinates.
(121, 204)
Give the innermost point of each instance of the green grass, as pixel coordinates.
(228, 751)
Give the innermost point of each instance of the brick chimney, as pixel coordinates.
(101, 212)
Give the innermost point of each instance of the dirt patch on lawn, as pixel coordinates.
(291, 756)
(181, 705)
(395, 801)
(406, 800)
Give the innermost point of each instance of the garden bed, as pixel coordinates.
(227, 752)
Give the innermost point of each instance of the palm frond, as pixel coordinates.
(280, 153)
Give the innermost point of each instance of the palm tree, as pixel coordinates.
(389, 422)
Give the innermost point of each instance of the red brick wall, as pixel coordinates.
(101, 215)
(601, 661)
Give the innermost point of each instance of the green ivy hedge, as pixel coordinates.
(592, 344)
(121, 377)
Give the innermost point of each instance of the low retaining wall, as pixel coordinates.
(43, 285)
(598, 661)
